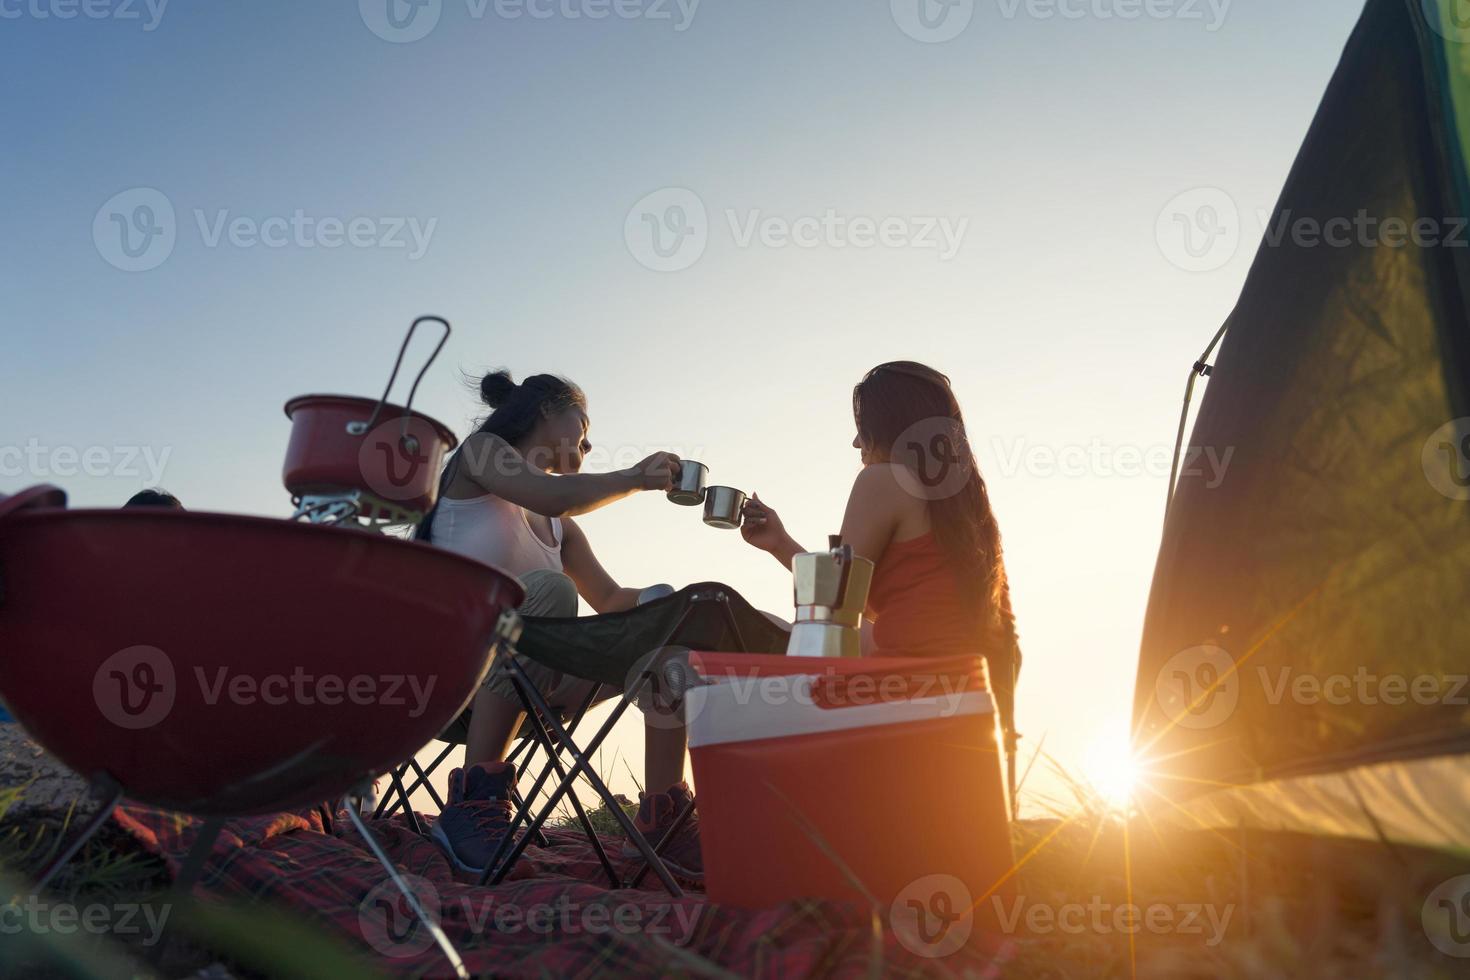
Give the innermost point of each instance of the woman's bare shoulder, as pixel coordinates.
(882, 481)
(888, 487)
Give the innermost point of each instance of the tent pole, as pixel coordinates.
(1201, 369)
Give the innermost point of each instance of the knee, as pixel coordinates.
(550, 593)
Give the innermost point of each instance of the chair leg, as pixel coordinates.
(523, 805)
(425, 776)
(450, 953)
(540, 731)
(571, 727)
(581, 763)
(678, 824)
(523, 811)
(110, 793)
(391, 801)
(730, 620)
(412, 818)
(427, 783)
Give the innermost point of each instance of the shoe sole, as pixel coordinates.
(675, 869)
(442, 839)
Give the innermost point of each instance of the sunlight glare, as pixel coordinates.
(1112, 771)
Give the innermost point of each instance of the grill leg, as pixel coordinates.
(182, 890)
(450, 953)
(198, 855)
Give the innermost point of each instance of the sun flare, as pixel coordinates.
(1112, 770)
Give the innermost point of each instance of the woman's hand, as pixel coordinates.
(660, 471)
(762, 526)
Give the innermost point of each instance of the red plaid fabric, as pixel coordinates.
(553, 918)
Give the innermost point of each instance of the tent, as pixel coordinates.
(1307, 643)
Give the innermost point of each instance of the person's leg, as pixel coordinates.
(497, 713)
(494, 721)
(479, 811)
(666, 796)
(664, 744)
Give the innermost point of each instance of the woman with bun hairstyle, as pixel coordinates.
(507, 498)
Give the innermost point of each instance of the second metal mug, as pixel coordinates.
(722, 507)
(689, 488)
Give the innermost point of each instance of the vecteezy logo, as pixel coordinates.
(400, 21)
(389, 923)
(934, 916)
(1449, 18)
(1446, 917)
(1446, 459)
(932, 21)
(135, 230)
(134, 688)
(667, 231)
(935, 461)
(1198, 688)
(662, 678)
(1199, 231)
(392, 458)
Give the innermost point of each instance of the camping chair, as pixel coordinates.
(455, 736)
(631, 651)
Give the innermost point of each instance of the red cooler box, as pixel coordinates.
(889, 767)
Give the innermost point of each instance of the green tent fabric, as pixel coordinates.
(1307, 640)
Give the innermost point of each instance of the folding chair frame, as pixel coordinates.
(512, 847)
(549, 734)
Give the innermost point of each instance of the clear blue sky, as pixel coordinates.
(520, 144)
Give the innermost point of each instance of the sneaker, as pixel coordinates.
(656, 814)
(477, 815)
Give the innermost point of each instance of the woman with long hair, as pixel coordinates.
(920, 511)
(507, 498)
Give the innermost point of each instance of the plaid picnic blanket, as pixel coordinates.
(555, 917)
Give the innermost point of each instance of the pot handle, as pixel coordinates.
(359, 428)
(41, 495)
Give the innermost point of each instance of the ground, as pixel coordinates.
(1095, 897)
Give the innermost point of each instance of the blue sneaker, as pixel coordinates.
(477, 815)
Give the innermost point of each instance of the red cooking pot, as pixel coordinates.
(332, 450)
(390, 454)
(218, 664)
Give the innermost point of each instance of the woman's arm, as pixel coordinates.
(873, 510)
(487, 463)
(593, 582)
(874, 507)
(761, 527)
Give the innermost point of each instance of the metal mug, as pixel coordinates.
(722, 507)
(689, 488)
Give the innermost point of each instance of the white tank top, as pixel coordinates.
(497, 532)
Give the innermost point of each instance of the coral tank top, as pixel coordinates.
(918, 606)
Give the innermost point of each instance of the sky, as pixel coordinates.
(1053, 201)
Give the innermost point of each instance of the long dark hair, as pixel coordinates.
(903, 407)
(514, 411)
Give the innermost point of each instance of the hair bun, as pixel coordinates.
(496, 388)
